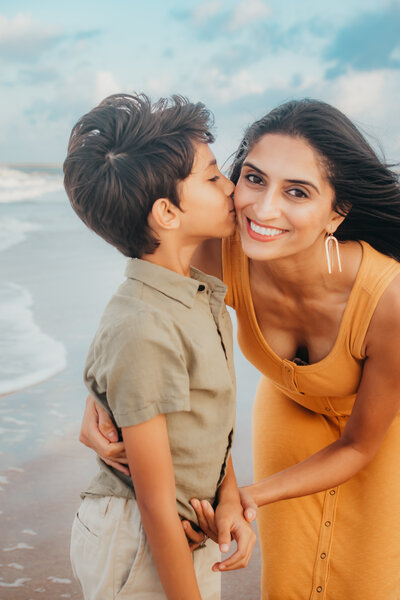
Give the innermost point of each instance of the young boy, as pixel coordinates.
(143, 177)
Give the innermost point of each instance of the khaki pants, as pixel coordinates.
(112, 560)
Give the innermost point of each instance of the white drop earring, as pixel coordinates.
(330, 242)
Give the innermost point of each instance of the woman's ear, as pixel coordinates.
(334, 222)
(165, 214)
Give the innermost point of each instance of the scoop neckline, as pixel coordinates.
(341, 332)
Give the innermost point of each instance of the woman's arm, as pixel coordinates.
(376, 406)
(150, 462)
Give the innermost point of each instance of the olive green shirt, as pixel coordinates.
(164, 346)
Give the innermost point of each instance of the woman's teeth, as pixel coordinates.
(267, 231)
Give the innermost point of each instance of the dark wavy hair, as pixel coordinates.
(367, 191)
(125, 154)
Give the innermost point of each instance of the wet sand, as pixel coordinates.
(38, 504)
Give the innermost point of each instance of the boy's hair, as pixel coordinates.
(125, 154)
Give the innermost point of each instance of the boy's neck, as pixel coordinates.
(172, 258)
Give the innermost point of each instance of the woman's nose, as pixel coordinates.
(268, 206)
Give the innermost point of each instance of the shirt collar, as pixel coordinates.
(172, 284)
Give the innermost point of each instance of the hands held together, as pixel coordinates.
(229, 521)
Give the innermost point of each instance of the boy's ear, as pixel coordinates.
(165, 214)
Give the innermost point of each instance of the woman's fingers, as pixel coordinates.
(210, 531)
(105, 424)
(209, 515)
(117, 465)
(248, 505)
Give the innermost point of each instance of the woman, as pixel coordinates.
(321, 321)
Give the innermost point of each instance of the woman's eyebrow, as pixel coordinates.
(303, 182)
(299, 181)
(249, 164)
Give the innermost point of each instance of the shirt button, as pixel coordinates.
(201, 288)
(327, 409)
(319, 589)
(332, 492)
(328, 523)
(323, 555)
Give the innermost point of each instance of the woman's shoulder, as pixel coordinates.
(208, 258)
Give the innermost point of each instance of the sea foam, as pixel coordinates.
(29, 356)
(13, 231)
(18, 185)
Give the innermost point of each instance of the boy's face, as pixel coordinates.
(206, 199)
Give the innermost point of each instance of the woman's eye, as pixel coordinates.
(253, 178)
(214, 178)
(297, 193)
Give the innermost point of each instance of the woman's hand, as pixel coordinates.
(98, 432)
(224, 524)
(194, 538)
(248, 504)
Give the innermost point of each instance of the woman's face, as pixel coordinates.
(283, 199)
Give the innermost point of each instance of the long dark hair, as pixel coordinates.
(366, 190)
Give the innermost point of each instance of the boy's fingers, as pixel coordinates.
(245, 540)
(224, 535)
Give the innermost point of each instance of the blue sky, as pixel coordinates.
(241, 57)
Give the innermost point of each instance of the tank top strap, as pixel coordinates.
(232, 270)
(376, 272)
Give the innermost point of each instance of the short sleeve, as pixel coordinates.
(140, 370)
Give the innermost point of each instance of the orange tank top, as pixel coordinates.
(330, 385)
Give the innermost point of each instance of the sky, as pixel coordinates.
(240, 57)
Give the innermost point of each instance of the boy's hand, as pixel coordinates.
(223, 525)
(98, 433)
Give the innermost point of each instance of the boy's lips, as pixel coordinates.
(264, 233)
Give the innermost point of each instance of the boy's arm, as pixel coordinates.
(150, 462)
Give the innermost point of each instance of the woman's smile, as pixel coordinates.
(264, 233)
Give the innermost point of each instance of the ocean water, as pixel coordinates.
(55, 278)
(28, 354)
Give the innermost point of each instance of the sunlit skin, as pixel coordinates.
(206, 211)
(283, 190)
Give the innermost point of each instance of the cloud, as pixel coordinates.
(371, 41)
(106, 84)
(23, 39)
(206, 10)
(211, 20)
(248, 12)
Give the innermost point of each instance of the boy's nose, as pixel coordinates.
(228, 186)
